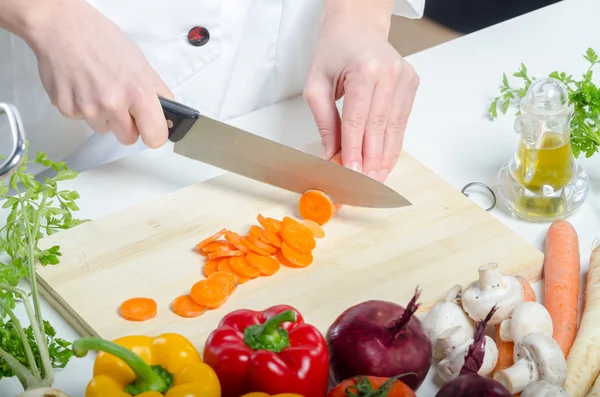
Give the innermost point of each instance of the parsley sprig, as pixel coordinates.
(37, 209)
(583, 94)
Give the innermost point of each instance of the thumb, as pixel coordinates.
(319, 96)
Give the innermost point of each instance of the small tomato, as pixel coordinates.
(260, 394)
(371, 386)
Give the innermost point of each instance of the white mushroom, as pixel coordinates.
(445, 315)
(492, 288)
(456, 344)
(537, 357)
(527, 317)
(544, 388)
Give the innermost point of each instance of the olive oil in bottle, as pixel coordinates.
(546, 168)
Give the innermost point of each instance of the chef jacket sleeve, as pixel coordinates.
(412, 9)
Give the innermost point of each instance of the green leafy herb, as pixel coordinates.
(37, 209)
(583, 94)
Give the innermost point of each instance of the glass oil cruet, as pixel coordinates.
(542, 181)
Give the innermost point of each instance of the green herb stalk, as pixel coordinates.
(36, 209)
(583, 94)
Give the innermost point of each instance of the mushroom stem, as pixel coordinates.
(490, 276)
(519, 376)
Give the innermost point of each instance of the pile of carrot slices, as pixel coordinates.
(233, 259)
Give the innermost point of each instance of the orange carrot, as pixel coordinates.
(211, 266)
(261, 244)
(314, 227)
(561, 281)
(268, 223)
(283, 260)
(224, 266)
(252, 247)
(139, 309)
(210, 239)
(506, 349)
(241, 267)
(224, 253)
(277, 223)
(213, 291)
(273, 238)
(217, 245)
(236, 240)
(266, 265)
(184, 306)
(299, 238)
(316, 206)
(258, 232)
(297, 258)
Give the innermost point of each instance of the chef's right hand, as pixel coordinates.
(93, 71)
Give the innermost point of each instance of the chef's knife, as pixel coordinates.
(243, 153)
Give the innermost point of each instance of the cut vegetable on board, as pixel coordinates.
(235, 259)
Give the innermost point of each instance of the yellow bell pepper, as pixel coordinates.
(260, 394)
(165, 366)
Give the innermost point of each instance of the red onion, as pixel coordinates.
(469, 383)
(380, 338)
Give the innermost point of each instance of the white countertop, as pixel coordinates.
(449, 131)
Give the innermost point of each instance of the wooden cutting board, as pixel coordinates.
(366, 254)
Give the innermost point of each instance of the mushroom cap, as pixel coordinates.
(477, 301)
(547, 355)
(527, 317)
(442, 317)
(543, 388)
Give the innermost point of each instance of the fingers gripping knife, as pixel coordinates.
(17, 153)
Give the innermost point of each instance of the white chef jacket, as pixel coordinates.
(258, 53)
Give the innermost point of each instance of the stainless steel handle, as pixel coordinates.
(15, 158)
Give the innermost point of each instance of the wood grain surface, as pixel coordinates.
(146, 250)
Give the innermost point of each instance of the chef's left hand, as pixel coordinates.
(354, 59)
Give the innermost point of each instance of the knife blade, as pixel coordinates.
(232, 149)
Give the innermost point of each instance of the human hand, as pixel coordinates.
(353, 59)
(93, 71)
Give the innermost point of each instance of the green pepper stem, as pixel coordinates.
(270, 335)
(146, 378)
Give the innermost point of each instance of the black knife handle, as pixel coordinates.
(180, 118)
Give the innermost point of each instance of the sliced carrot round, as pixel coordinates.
(283, 260)
(184, 306)
(257, 232)
(316, 206)
(224, 266)
(273, 239)
(218, 246)
(271, 224)
(139, 309)
(252, 247)
(211, 266)
(298, 237)
(235, 240)
(261, 244)
(225, 280)
(314, 227)
(277, 223)
(240, 266)
(213, 291)
(210, 239)
(266, 265)
(224, 253)
(297, 258)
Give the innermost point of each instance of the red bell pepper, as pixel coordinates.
(271, 351)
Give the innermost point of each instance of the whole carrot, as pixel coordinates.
(561, 281)
(506, 349)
